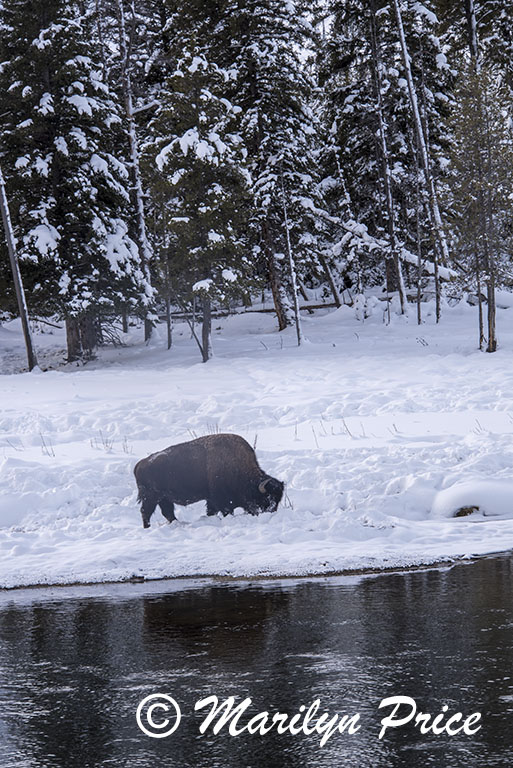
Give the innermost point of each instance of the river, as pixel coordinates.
(75, 662)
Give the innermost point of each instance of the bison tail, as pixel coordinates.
(142, 494)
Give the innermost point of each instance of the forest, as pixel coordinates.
(159, 157)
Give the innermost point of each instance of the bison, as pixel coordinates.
(222, 469)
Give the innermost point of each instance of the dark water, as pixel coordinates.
(75, 664)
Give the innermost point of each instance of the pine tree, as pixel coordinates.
(59, 142)
(194, 166)
(372, 157)
(267, 45)
(483, 186)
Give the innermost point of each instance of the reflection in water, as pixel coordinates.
(72, 671)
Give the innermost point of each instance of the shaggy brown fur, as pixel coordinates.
(222, 469)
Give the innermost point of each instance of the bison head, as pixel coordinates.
(270, 492)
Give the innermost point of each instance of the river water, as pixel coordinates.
(74, 664)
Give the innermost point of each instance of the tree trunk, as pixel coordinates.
(206, 330)
(275, 281)
(142, 237)
(479, 296)
(73, 339)
(490, 290)
(422, 142)
(148, 328)
(331, 281)
(292, 268)
(385, 164)
(419, 249)
(88, 335)
(168, 323)
(99, 32)
(470, 13)
(16, 276)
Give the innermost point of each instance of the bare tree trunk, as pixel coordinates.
(331, 281)
(490, 295)
(206, 330)
(73, 339)
(124, 321)
(479, 296)
(16, 276)
(385, 163)
(470, 13)
(274, 279)
(292, 268)
(168, 323)
(99, 31)
(438, 292)
(125, 53)
(419, 248)
(492, 232)
(88, 335)
(422, 142)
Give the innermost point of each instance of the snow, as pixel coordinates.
(204, 150)
(121, 250)
(44, 238)
(83, 104)
(492, 498)
(229, 276)
(202, 285)
(78, 135)
(441, 61)
(61, 145)
(46, 104)
(381, 433)
(423, 11)
(197, 62)
(42, 166)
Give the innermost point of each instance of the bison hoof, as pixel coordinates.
(146, 525)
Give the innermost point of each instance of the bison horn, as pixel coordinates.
(262, 485)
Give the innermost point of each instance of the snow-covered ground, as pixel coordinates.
(380, 432)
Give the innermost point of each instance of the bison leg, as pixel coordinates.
(212, 509)
(168, 509)
(147, 509)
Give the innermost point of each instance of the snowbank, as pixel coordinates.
(380, 432)
(480, 498)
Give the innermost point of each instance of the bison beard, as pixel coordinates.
(222, 469)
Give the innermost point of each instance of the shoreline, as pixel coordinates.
(262, 577)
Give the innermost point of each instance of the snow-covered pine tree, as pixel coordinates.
(268, 44)
(372, 156)
(484, 29)
(421, 133)
(58, 143)
(195, 170)
(482, 190)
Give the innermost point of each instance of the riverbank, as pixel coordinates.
(380, 432)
